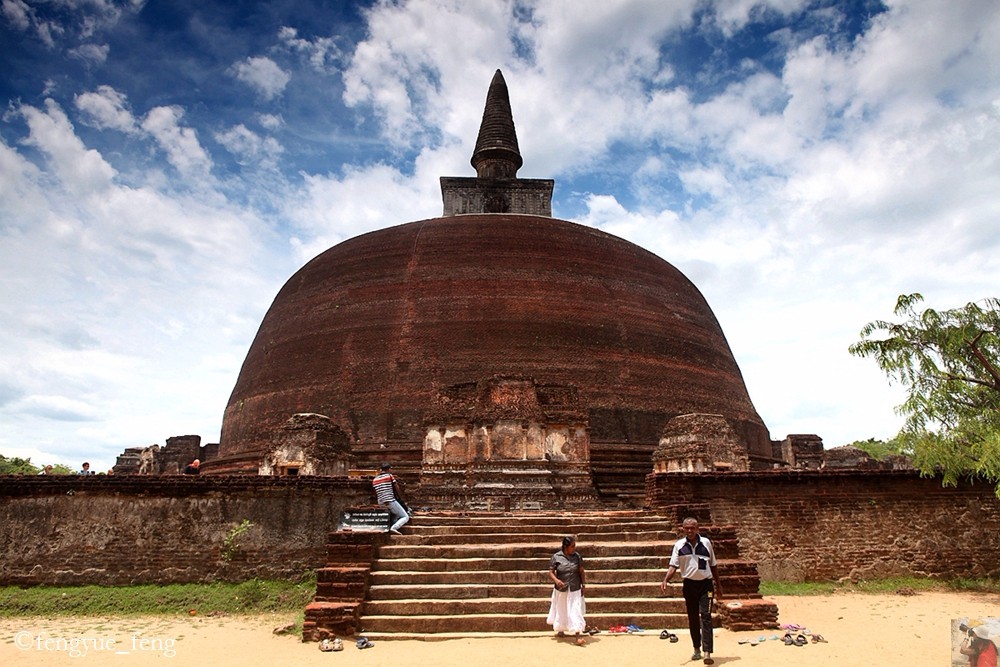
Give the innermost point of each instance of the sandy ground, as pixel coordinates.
(861, 630)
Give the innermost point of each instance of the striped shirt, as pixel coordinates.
(383, 487)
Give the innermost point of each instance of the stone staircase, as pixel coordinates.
(454, 574)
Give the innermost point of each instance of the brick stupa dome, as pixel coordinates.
(377, 332)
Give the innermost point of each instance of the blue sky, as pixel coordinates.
(166, 166)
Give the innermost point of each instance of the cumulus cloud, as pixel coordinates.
(74, 19)
(93, 54)
(322, 53)
(107, 108)
(249, 147)
(180, 144)
(81, 170)
(263, 75)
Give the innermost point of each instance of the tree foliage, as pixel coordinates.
(879, 449)
(949, 362)
(17, 466)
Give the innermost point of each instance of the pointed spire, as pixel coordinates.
(497, 154)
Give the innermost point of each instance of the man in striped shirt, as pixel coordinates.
(694, 556)
(388, 496)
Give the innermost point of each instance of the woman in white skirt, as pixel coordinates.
(568, 608)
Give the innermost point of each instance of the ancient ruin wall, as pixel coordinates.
(169, 529)
(822, 525)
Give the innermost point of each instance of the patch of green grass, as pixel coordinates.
(879, 586)
(987, 585)
(247, 597)
(796, 587)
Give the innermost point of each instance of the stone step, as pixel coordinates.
(673, 516)
(507, 623)
(552, 541)
(539, 587)
(451, 577)
(521, 606)
(548, 528)
(535, 564)
(590, 551)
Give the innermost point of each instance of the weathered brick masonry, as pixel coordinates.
(153, 529)
(823, 525)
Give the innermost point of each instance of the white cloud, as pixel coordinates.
(263, 75)
(79, 19)
(270, 122)
(107, 109)
(181, 144)
(83, 171)
(249, 147)
(93, 54)
(322, 53)
(18, 13)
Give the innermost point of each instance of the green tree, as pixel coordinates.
(949, 362)
(878, 449)
(17, 466)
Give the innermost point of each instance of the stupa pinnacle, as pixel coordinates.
(496, 159)
(497, 154)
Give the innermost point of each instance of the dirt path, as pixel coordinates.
(861, 630)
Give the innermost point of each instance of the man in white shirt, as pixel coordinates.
(694, 556)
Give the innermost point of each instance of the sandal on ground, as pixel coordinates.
(819, 638)
(325, 645)
(338, 645)
(801, 640)
(788, 639)
(364, 643)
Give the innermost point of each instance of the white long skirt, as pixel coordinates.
(567, 611)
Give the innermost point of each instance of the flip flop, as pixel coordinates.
(665, 634)
(788, 639)
(364, 643)
(801, 640)
(819, 638)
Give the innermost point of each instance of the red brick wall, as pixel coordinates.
(821, 526)
(131, 529)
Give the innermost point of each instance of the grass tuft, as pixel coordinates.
(891, 585)
(248, 597)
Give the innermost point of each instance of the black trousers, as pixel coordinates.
(699, 612)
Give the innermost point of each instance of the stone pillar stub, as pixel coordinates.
(699, 443)
(308, 444)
